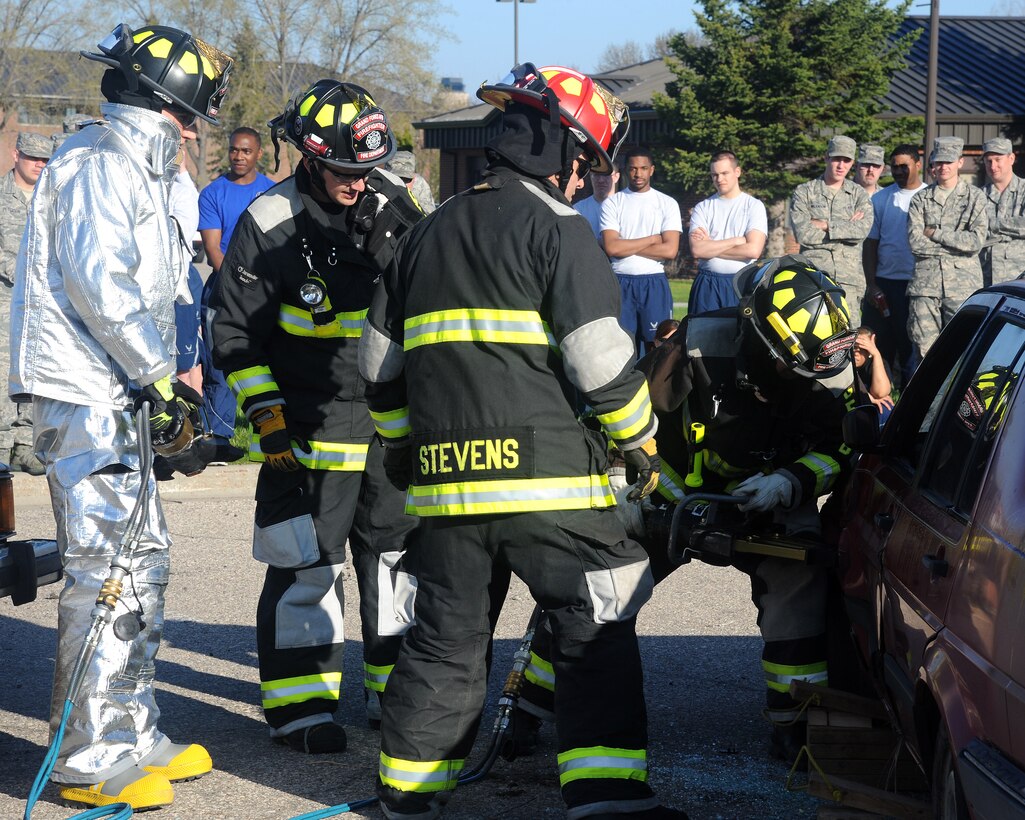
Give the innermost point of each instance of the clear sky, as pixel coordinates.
(574, 32)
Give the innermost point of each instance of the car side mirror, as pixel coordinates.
(861, 428)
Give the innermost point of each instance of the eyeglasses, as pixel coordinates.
(186, 119)
(583, 166)
(340, 177)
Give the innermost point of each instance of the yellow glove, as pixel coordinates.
(275, 442)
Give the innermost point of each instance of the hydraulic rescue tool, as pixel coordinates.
(707, 527)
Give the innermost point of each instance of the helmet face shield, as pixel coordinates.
(798, 313)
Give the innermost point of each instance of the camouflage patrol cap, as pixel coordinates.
(997, 145)
(841, 146)
(34, 145)
(946, 149)
(403, 165)
(871, 155)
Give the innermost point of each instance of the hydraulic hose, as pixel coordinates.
(102, 614)
(506, 704)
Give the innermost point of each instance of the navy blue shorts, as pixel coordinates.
(186, 325)
(711, 291)
(647, 300)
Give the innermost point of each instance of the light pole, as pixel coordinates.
(931, 79)
(516, 26)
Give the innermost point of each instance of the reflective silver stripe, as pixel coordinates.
(444, 776)
(603, 762)
(247, 386)
(596, 353)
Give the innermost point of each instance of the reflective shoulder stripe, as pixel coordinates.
(324, 455)
(718, 465)
(393, 424)
(555, 205)
(629, 421)
(283, 691)
(420, 775)
(298, 322)
(602, 763)
(476, 325)
(510, 495)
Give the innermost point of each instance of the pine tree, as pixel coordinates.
(771, 80)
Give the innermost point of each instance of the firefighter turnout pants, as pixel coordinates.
(303, 519)
(581, 567)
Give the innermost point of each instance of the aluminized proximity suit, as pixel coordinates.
(93, 317)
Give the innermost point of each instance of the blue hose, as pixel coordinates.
(117, 811)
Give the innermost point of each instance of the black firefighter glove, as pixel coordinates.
(169, 424)
(275, 440)
(645, 460)
(398, 464)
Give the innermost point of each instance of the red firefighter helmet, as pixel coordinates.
(598, 120)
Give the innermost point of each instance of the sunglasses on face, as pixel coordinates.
(186, 119)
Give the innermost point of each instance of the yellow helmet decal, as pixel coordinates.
(783, 297)
(188, 62)
(798, 322)
(326, 116)
(573, 86)
(823, 327)
(784, 276)
(306, 105)
(349, 113)
(139, 36)
(161, 48)
(208, 67)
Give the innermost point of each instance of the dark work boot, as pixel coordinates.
(23, 458)
(317, 740)
(786, 742)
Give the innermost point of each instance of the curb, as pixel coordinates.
(230, 481)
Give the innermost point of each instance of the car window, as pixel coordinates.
(907, 432)
(967, 427)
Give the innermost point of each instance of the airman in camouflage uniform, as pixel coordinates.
(947, 227)
(1003, 257)
(30, 155)
(831, 216)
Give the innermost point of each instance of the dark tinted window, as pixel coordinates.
(970, 421)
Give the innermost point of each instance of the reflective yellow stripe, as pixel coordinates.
(670, 484)
(510, 495)
(523, 327)
(540, 672)
(376, 677)
(825, 469)
(253, 381)
(325, 455)
(392, 424)
(778, 675)
(719, 466)
(628, 421)
(298, 690)
(298, 322)
(603, 763)
(420, 776)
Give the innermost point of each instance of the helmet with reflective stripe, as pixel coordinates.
(170, 65)
(598, 120)
(799, 313)
(338, 124)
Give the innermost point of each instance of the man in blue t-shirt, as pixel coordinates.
(223, 200)
(220, 205)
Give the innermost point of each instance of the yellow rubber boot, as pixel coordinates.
(139, 789)
(179, 762)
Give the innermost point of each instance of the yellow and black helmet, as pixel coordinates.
(338, 124)
(798, 313)
(164, 65)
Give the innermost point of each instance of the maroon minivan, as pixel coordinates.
(932, 559)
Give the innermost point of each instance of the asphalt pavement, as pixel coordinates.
(698, 639)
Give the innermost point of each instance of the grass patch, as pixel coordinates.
(680, 288)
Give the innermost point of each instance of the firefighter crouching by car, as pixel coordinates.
(484, 327)
(770, 381)
(295, 286)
